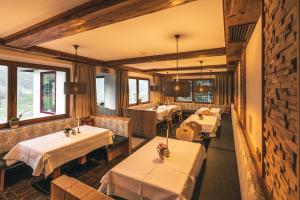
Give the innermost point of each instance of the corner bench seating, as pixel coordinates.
(10, 137)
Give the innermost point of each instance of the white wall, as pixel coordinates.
(254, 87)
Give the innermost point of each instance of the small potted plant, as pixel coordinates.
(161, 149)
(14, 121)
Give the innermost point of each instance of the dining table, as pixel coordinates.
(144, 175)
(209, 124)
(216, 111)
(46, 153)
(163, 110)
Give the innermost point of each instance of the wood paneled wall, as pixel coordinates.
(281, 102)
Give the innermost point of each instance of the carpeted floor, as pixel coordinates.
(218, 178)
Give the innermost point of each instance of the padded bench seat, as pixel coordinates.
(119, 146)
(118, 140)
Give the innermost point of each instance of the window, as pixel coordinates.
(187, 99)
(100, 90)
(143, 91)
(139, 90)
(206, 97)
(37, 94)
(132, 87)
(199, 97)
(48, 92)
(35, 91)
(3, 93)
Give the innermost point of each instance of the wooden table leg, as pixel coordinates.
(56, 173)
(82, 160)
(2, 179)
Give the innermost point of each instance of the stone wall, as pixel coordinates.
(281, 134)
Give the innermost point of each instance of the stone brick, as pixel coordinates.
(281, 98)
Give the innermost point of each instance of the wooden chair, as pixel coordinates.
(197, 128)
(185, 133)
(169, 119)
(190, 131)
(179, 115)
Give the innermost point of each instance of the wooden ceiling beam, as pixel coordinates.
(197, 74)
(69, 57)
(172, 56)
(187, 68)
(90, 15)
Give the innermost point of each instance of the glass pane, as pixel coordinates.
(3, 93)
(190, 98)
(100, 90)
(143, 91)
(203, 96)
(48, 92)
(132, 84)
(40, 99)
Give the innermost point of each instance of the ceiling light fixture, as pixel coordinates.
(177, 88)
(75, 88)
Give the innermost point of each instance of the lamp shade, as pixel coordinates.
(177, 89)
(202, 89)
(75, 88)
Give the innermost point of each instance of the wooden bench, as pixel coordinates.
(68, 188)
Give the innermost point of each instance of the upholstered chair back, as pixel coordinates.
(118, 125)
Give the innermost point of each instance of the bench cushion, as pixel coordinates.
(118, 141)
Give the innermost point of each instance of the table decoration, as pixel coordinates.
(161, 148)
(200, 116)
(67, 130)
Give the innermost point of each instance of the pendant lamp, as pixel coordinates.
(177, 88)
(75, 88)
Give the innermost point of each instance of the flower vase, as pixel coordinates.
(161, 155)
(167, 152)
(13, 124)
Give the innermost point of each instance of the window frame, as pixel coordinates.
(12, 91)
(137, 87)
(193, 91)
(103, 88)
(41, 92)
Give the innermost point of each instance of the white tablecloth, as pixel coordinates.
(144, 176)
(213, 110)
(209, 123)
(48, 152)
(163, 111)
